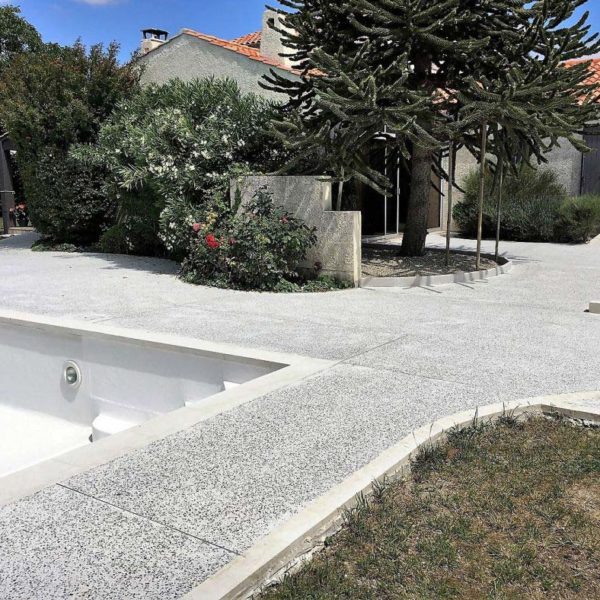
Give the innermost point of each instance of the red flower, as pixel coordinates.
(212, 242)
(284, 220)
(196, 227)
(232, 242)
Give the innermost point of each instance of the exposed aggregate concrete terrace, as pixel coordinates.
(157, 522)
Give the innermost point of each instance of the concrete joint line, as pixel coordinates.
(292, 543)
(145, 518)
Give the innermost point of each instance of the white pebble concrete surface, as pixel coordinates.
(187, 493)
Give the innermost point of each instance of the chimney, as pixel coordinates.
(152, 39)
(271, 45)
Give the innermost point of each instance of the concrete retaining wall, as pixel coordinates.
(338, 247)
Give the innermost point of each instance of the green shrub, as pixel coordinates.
(69, 206)
(114, 240)
(50, 99)
(258, 247)
(579, 219)
(530, 208)
(177, 145)
(46, 245)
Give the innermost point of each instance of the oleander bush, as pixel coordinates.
(530, 208)
(257, 246)
(171, 148)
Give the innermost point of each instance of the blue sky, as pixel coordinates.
(64, 21)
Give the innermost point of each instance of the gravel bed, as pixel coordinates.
(385, 262)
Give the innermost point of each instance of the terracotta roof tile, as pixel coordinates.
(594, 77)
(250, 39)
(247, 51)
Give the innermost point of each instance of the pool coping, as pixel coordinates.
(291, 544)
(30, 480)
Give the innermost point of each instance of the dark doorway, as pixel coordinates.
(387, 216)
(590, 168)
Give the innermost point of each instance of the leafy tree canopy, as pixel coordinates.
(16, 35)
(49, 100)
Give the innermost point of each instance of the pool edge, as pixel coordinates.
(28, 481)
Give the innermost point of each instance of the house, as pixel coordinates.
(190, 55)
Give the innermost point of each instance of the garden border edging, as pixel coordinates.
(292, 543)
(433, 280)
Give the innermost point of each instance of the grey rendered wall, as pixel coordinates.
(566, 163)
(186, 57)
(338, 247)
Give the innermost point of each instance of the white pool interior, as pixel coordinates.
(124, 382)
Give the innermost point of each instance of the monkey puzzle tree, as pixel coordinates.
(419, 55)
(527, 97)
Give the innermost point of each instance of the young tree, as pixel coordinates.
(436, 49)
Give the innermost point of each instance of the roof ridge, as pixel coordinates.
(252, 39)
(244, 50)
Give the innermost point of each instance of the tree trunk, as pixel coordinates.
(499, 207)
(450, 190)
(415, 234)
(481, 194)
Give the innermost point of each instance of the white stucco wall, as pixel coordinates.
(187, 58)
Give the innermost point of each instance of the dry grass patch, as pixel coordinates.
(508, 511)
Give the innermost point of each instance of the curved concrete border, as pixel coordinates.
(295, 541)
(433, 280)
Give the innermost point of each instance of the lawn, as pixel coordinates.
(504, 511)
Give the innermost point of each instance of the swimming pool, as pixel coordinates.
(64, 387)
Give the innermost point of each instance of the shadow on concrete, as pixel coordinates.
(159, 266)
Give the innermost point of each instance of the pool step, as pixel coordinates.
(107, 425)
